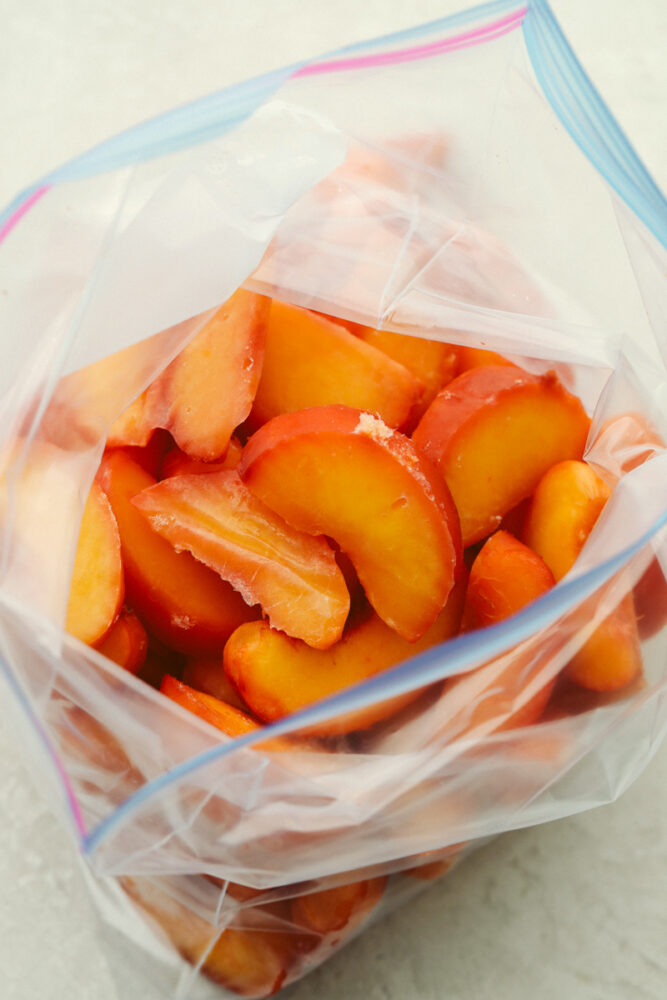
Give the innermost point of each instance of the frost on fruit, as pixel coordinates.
(373, 427)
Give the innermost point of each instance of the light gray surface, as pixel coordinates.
(575, 909)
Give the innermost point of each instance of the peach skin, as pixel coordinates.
(292, 575)
(97, 587)
(493, 432)
(183, 603)
(340, 472)
(567, 502)
(276, 675)
(126, 643)
(310, 361)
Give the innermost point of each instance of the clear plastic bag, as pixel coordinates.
(429, 184)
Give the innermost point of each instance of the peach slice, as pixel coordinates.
(493, 432)
(477, 357)
(97, 587)
(432, 362)
(177, 463)
(310, 361)
(276, 675)
(207, 674)
(566, 504)
(329, 910)
(227, 718)
(339, 472)
(127, 643)
(183, 603)
(292, 575)
(208, 389)
(133, 427)
(253, 963)
(504, 578)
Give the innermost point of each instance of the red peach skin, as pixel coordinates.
(493, 432)
(343, 473)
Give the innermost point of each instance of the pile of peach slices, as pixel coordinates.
(297, 503)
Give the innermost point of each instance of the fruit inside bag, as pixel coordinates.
(334, 499)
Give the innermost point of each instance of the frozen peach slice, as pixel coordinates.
(329, 910)
(310, 361)
(182, 602)
(292, 575)
(343, 473)
(566, 504)
(127, 643)
(133, 427)
(97, 587)
(276, 675)
(504, 578)
(432, 362)
(477, 357)
(177, 463)
(611, 657)
(207, 674)
(208, 389)
(493, 432)
(252, 963)
(227, 718)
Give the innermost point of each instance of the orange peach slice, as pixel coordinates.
(343, 473)
(566, 504)
(133, 427)
(207, 674)
(97, 587)
(253, 963)
(183, 603)
(432, 362)
(504, 578)
(127, 643)
(493, 432)
(227, 718)
(477, 357)
(276, 675)
(310, 361)
(329, 910)
(177, 463)
(208, 389)
(292, 575)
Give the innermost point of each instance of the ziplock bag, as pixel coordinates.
(460, 181)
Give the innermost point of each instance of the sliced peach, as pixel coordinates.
(150, 456)
(97, 588)
(504, 578)
(126, 643)
(310, 361)
(208, 389)
(177, 463)
(276, 675)
(253, 963)
(133, 427)
(432, 362)
(340, 472)
(227, 718)
(611, 657)
(292, 575)
(329, 910)
(183, 603)
(207, 674)
(566, 504)
(650, 597)
(494, 432)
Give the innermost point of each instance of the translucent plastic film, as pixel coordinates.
(423, 188)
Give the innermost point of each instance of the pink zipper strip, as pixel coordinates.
(468, 38)
(6, 229)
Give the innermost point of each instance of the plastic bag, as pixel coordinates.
(398, 186)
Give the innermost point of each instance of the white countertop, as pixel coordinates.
(575, 909)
